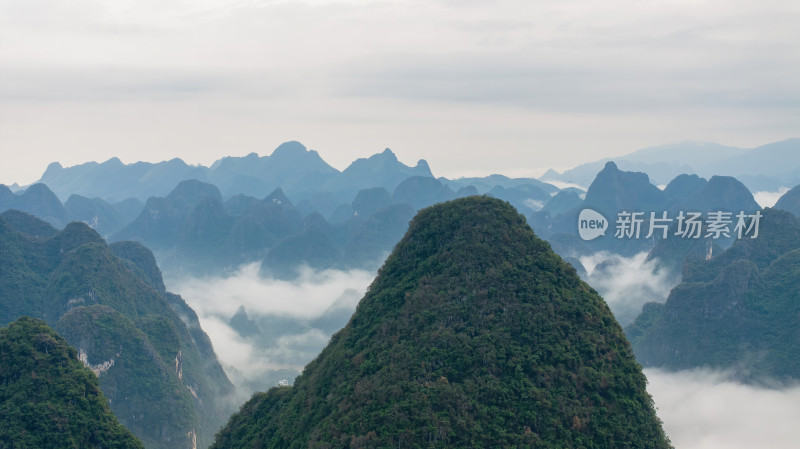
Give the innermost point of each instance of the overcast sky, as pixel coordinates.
(510, 86)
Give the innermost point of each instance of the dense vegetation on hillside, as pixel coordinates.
(474, 334)
(739, 310)
(48, 399)
(154, 362)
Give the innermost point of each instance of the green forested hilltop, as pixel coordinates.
(48, 399)
(474, 334)
(159, 372)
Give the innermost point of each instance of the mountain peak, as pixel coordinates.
(192, 189)
(473, 334)
(278, 197)
(289, 148)
(54, 166)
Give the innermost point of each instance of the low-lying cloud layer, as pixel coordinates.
(287, 323)
(703, 409)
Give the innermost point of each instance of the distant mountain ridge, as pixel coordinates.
(763, 168)
(298, 171)
(40, 201)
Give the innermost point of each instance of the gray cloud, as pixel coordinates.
(543, 84)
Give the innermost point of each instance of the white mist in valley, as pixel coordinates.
(703, 409)
(292, 321)
(627, 283)
(265, 329)
(768, 199)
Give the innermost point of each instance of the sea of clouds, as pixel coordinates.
(700, 409)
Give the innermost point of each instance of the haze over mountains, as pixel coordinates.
(764, 168)
(291, 220)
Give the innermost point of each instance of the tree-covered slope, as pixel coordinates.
(154, 362)
(48, 398)
(474, 334)
(739, 310)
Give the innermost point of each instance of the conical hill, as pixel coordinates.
(474, 334)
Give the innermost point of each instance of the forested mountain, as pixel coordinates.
(48, 398)
(154, 363)
(474, 334)
(739, 310)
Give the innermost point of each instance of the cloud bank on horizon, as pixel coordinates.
(440, 80)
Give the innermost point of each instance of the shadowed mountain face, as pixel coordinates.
(474, 334)
(738, 310)
(36, 200)
(614, 190)
(627, 197)
(155, 364)
(790, 201)
(48, 398)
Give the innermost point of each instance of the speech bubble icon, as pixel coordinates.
(591, 224)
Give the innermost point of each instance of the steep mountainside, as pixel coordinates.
(740, 310)
(48, 398)
(790, 201)
(154, 363)
(474, 334)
